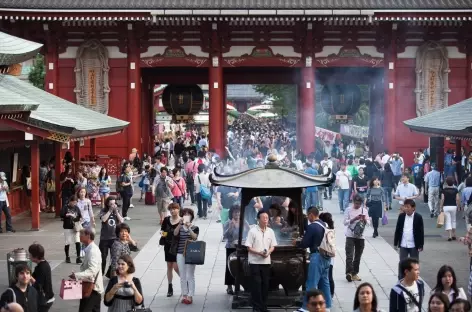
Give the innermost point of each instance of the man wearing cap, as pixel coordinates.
(4, 206)
(432, 182)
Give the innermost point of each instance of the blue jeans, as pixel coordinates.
(311, 199)
(388, 195)
(318, 277)
(343, 197)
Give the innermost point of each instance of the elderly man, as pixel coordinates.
(90, 271)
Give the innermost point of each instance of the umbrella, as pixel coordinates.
(230, 107)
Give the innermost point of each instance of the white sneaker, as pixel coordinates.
(131, 206)
(127, 218)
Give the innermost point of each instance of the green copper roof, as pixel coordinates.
(14, 50)
(56, 114)
(13, 102)
(453, 121)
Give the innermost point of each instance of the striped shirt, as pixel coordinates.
(184, 237)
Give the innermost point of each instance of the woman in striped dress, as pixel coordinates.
(186, 231)
(124, 291)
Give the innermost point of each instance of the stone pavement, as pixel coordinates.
(379, 263)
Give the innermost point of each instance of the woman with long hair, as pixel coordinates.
(70, 215)
(327, 218)
(375, 201)
(438, 302)
(446, 283)
(104, 182)
(170, 254)
(85, 206)
(179, 187)
(450, 203)
(365, 299)
(124, 291)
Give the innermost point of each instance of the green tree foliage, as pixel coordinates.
(37, 73)
(285, 105)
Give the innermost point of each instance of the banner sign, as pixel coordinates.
(325, 135)
(355, 131)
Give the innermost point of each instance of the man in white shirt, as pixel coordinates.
(405, 191)
(343, 182)
(4, 206)
(260, 243)
(385, 158)
(409, 233)
(327, 167)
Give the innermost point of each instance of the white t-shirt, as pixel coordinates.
(408, 190)
(260, 240)
(343, 178)
(385, 159)
(410, 305)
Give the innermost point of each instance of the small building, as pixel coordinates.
(35, 125)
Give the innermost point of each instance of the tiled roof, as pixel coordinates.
(452, 121)
(14, 102)
(57, 114)
(14, 50)
(242, 92)
(235, 4)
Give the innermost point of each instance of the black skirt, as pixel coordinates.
(167, 255)
(229, 279)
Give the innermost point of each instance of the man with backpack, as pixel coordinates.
(321, 241)
(190, 171)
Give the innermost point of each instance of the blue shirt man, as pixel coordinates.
(311, 171)
(318, 269)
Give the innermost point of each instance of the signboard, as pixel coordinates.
(355, 131)
(326, 135)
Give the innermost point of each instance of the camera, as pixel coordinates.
(126, 284)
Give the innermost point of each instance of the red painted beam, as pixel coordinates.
(18, 125)
(12, 135)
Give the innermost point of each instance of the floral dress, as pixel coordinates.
(93, 190)
(118, 249)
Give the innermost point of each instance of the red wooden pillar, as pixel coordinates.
(57, 178)
(306, 108)
(390, 119)
(216, 89)
(34, 185)
(93, 147)
(134, 91)
(51, 64)
(469, 71)
(76, 155)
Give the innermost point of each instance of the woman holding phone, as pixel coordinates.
(186, 231)
(168, 227)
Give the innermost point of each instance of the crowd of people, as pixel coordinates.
(178, 171)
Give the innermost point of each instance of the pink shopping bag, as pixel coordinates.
(71, 290)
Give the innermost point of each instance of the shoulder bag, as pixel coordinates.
(204, 190)
(87, 287)
(409, 294)
(359, 227)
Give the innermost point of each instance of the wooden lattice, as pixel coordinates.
(58, 137)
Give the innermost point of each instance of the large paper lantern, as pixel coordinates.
(341, 99)
(182, 101)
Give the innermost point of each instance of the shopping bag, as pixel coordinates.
(194, 252)
(440, 221)
(71, 290)
(385, 219)
(224, 215)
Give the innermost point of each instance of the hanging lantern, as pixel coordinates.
(182, 101)
(341, 99)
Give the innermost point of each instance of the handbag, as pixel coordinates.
(71, 290)
(204, 191)
(78, 226)
(87, 287)
(440, 221)
(194, 252)
(385, 219)
(50, 186)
